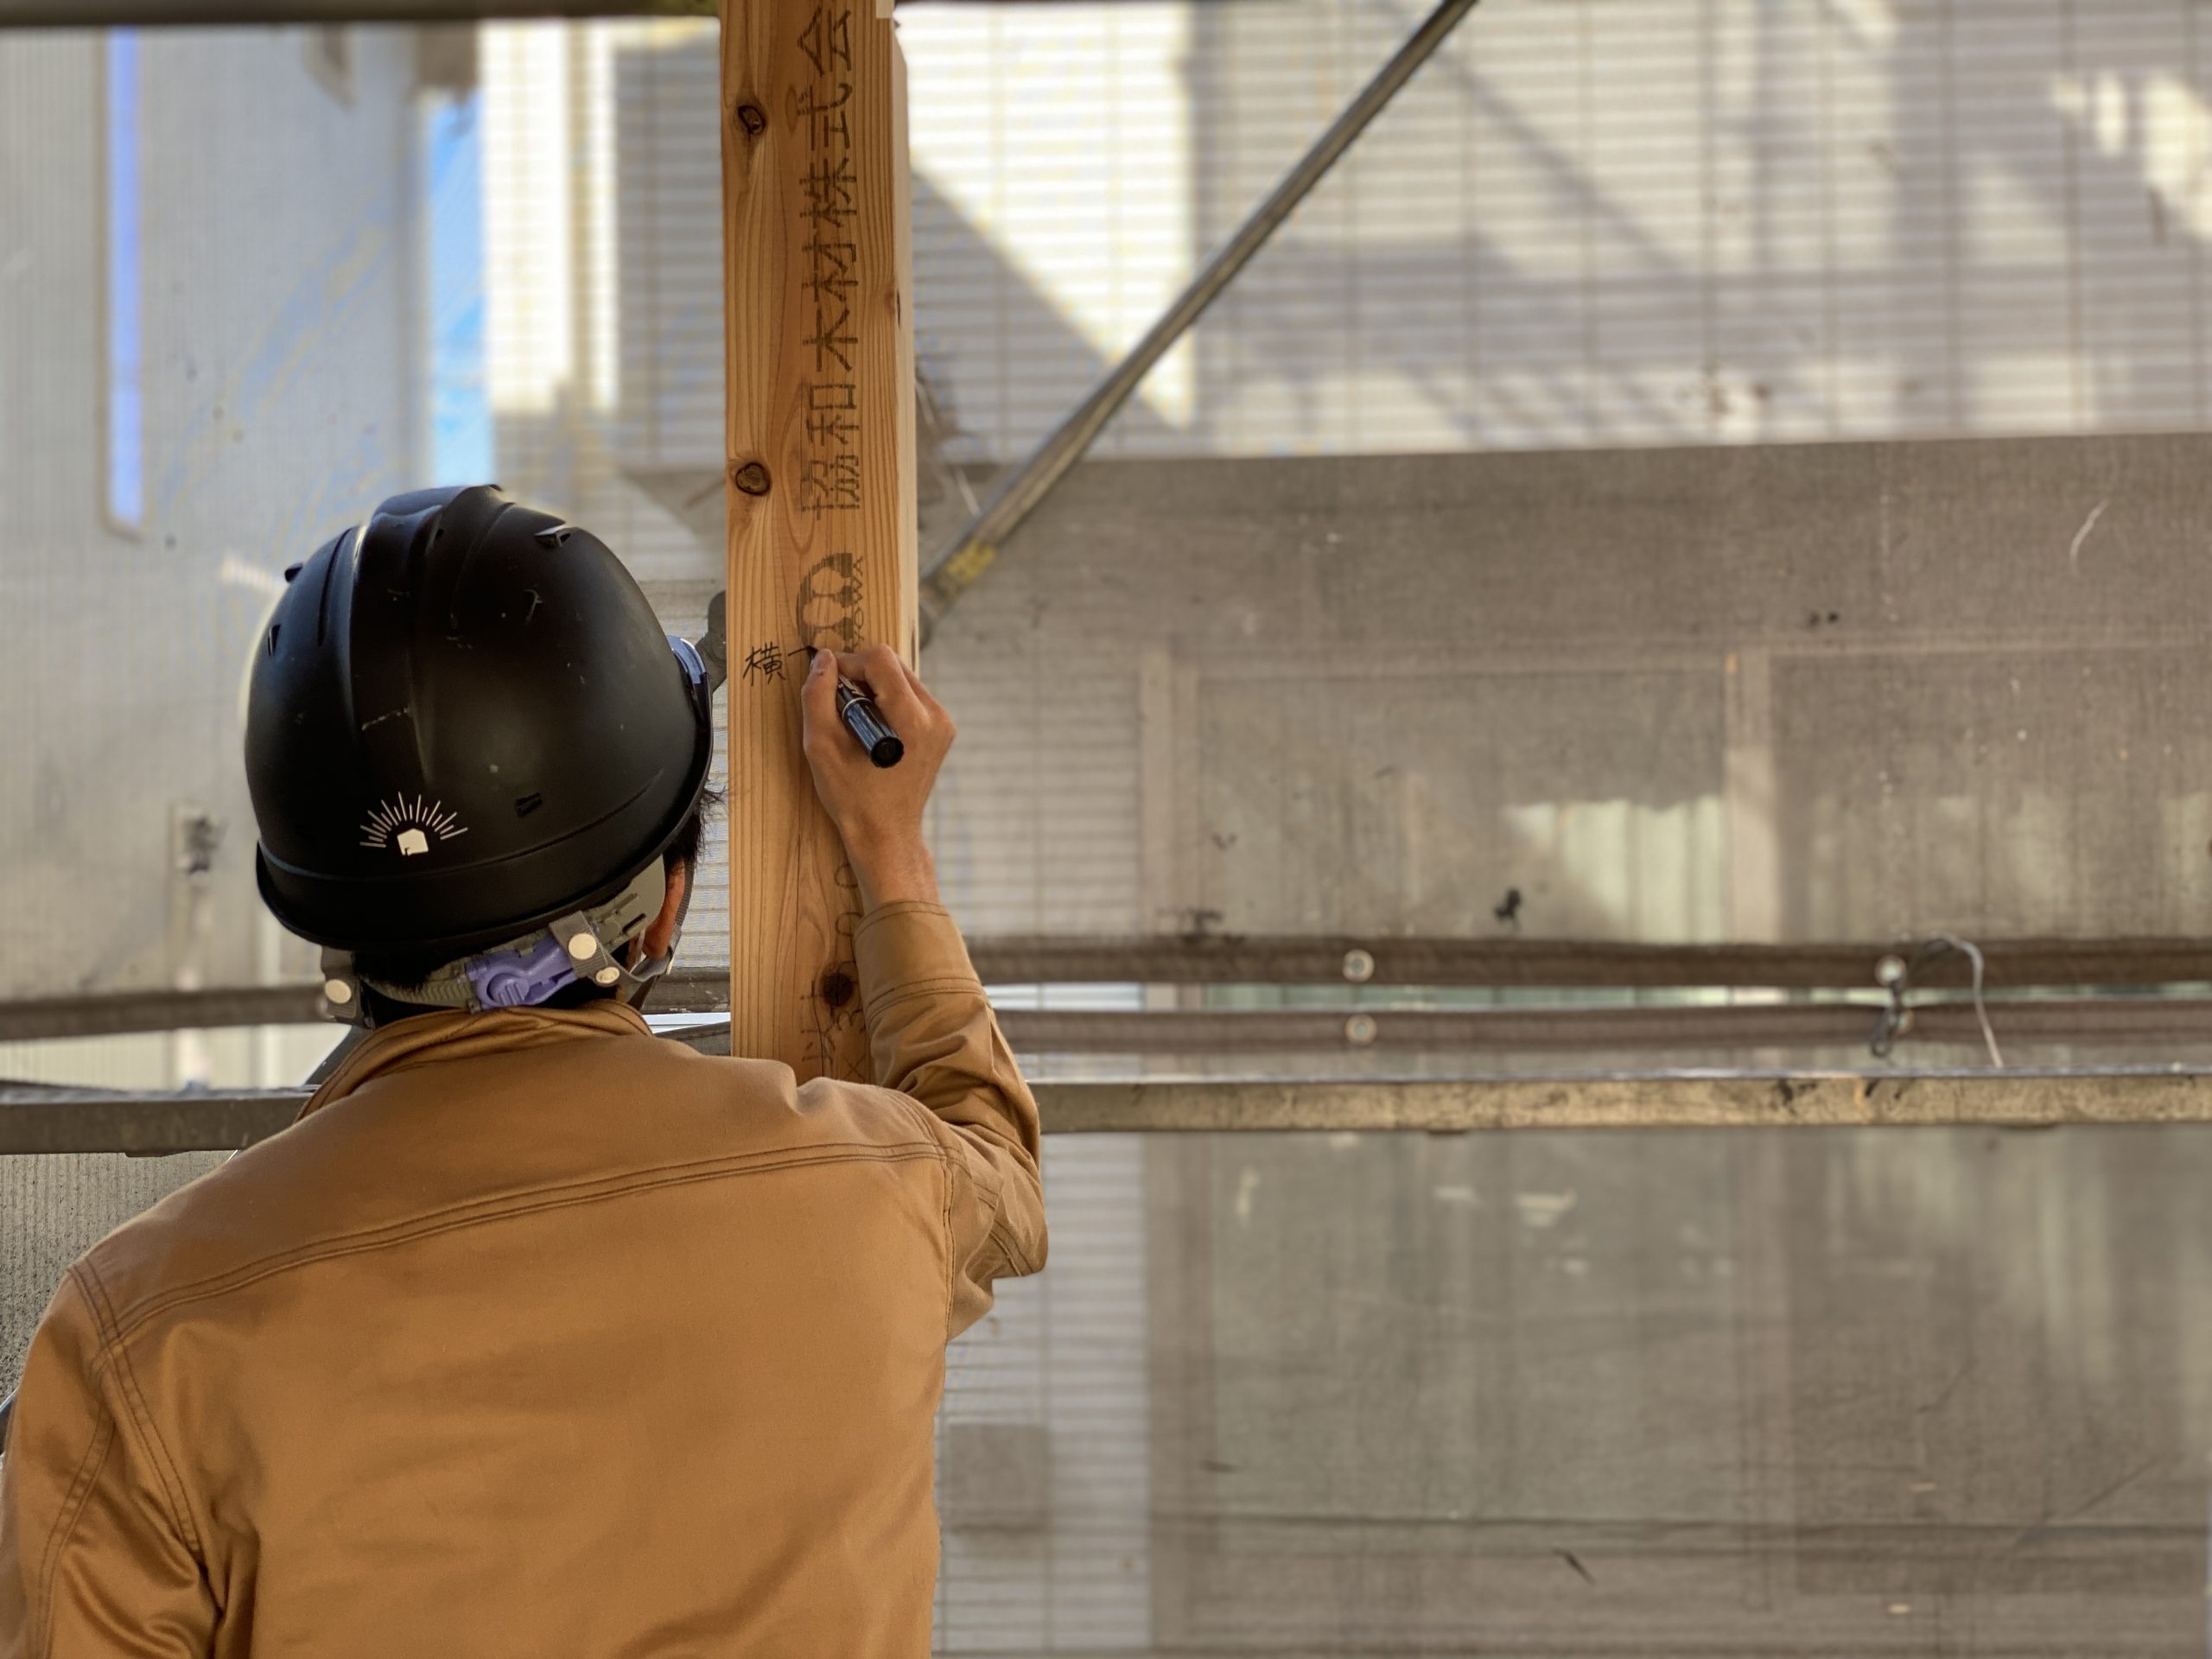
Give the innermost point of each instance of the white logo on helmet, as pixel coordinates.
(408, 825)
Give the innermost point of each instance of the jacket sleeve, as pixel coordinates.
(92, 1556)
(935, 1038)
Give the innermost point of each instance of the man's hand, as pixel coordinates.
(878, 809)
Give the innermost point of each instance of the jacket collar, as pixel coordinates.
(426, 1039)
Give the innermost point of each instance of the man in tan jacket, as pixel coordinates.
(537, 1334)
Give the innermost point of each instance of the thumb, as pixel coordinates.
(817, 695)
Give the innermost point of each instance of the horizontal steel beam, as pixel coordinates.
(2020, 1099)
(2160, 1020)
(1205, 960)
(162, 14)
(1571, 963)
(2118, 1022)
(192, 14)
(108, 1013)
(33, 1121)
(2026, 1099)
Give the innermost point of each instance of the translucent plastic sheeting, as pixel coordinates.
(1798, 1393)
(1681, 1393)
(210, 360)
(252, 282)
(497, 251)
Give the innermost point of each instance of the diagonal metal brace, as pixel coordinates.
(1016, 495)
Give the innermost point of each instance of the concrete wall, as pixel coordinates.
(1861, 691)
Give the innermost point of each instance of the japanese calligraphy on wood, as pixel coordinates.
(821, 464)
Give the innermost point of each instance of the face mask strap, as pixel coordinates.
(647, 973)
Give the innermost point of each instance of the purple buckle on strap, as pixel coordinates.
(514, 979)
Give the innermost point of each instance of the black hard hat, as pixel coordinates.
(464, 722)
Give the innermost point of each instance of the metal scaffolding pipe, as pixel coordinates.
(2156, 1022)
(1558, 964)
(193, 14)
(164, 14)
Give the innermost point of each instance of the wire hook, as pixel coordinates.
(1894, 974)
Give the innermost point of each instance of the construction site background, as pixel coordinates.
(1721, 472)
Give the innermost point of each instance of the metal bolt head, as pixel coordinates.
(751, 119)
(1359, 967)
(1360, 1029)
(337, 993)
(752, 478)
(582, 946)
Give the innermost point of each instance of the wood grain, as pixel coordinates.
(820, 477)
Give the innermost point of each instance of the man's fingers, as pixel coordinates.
(914, 681)
(894, 687)
(897, 690)
(935, 709)
(817, 695)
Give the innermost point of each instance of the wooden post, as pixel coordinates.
(819, 319)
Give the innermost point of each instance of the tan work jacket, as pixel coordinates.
(537, 1335)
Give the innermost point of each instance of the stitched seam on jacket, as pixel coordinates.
(892, 995)
(947, 1174)
(944, 1173)
(1018, 1260)
(449, 1221)
(134, 1401)
(904, 907)
(954, 1165)
(995, 1235)
(1000, 1232)
(350, 1072)
(744, 1164)
(72, 1511)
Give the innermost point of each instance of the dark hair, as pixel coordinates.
(692, 838)
(397, 965)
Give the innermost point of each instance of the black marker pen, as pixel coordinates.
(866, 721)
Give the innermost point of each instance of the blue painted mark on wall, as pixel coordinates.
(125, 367)
(462, 450)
